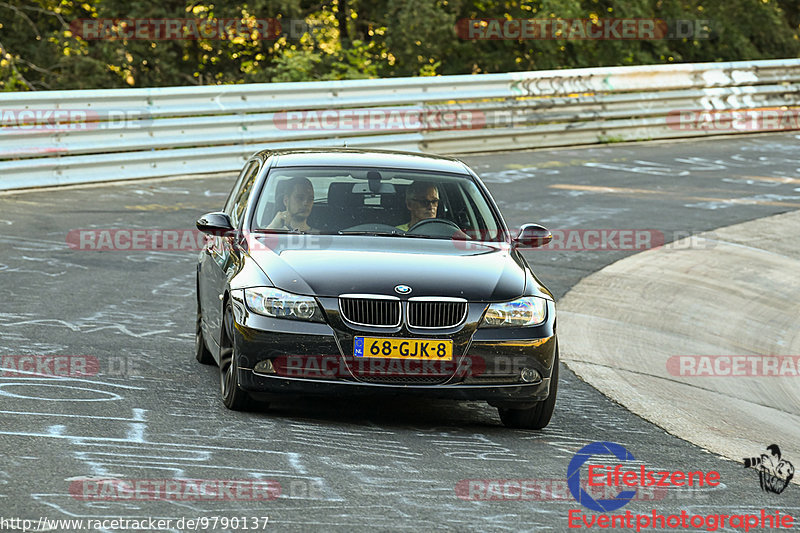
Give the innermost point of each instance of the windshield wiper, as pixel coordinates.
(277, 230)
(374, 233)
(389, 234)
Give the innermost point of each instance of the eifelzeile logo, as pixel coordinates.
(177, 490)
(381, 119)
(582, 29)
(181, 29)
(625, 480)
(734, 120)
(607, 464)
(734, 366)
(67, 120)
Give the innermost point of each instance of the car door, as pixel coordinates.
(216, 259)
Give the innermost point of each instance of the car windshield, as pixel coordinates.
(373, 201)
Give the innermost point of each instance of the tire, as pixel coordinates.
(233, 396)
(201, 353)
(538, 416)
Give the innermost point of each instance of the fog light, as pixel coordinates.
(529, 375)
(264, 367)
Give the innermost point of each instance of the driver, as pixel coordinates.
(422, 200)
(298, 200)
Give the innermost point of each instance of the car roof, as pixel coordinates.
(351, 157)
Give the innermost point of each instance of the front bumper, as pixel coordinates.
(498, 395)
(316, 359)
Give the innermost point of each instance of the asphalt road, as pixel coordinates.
(152, 413)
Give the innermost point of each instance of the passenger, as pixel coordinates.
(422, 200)
(297, 201)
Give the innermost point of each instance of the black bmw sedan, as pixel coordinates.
(346, 272)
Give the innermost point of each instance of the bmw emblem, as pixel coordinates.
(402, 289)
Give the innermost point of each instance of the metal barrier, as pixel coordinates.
(63, 137)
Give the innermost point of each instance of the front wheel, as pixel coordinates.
(538, 416)
(233, 396)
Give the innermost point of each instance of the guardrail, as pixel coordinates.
(63, 137)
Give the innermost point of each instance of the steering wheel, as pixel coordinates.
(441, 221)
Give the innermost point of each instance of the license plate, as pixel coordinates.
(423, 349)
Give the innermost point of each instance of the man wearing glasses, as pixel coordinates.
(422, 200)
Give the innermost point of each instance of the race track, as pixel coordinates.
(152, 412)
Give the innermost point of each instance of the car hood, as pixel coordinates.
(333, 265)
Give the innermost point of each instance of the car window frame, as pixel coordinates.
(236, 186)
(468, 174)
(244, 187)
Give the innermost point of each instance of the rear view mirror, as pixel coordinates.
(532, 236)
(216, 223)
(370, 188)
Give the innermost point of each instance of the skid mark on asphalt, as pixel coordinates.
(510, 176)
(603, 189)
(167, 258)
(764, 181)
(640, 167)
(123, 450)
(177, 287)
(476, 446)
(25, 244)
(93, 324)
(761, 199)
(703, 202)
(350, 439)
(573, 219)
(177, 206)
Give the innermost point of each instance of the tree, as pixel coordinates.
(44, 45)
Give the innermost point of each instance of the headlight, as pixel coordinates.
(525, 311)
(276, 303)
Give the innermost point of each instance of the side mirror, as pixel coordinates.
(216, 223)
(532, 236)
